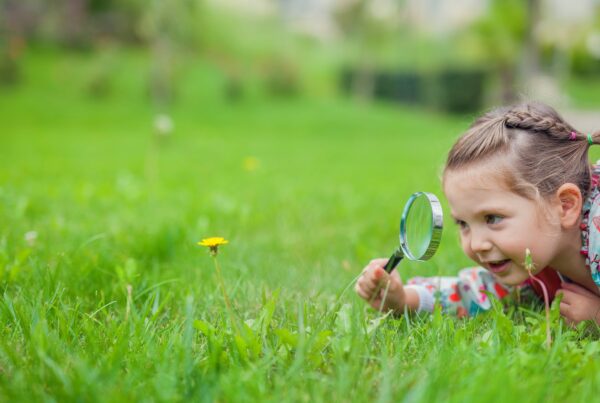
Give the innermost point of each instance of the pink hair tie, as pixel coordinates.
(573, 136)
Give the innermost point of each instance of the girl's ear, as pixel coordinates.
(571, 203)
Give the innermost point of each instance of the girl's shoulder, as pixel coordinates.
(590, 226)
(596, 175)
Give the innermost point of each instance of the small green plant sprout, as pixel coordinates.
(529, 261)
(213, 244)
(529, 266)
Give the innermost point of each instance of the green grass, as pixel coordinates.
(112, 207)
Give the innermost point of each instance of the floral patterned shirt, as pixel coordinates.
(464, 294)
(590, 227)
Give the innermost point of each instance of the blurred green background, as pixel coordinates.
(456, 57)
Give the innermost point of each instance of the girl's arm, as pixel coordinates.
(579, 304)
(459, 295)
(385, 291)
(462, 295)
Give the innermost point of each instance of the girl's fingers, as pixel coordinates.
(376, 263)
(568, 296)
(373, 276)
(376, 303)
(565, 312)
(396, 276)
(363, 294)
(365, 290)
(368, 282)
(564, 298)
(564, 308)
(577, 289)
(357, 286)
(378, 274)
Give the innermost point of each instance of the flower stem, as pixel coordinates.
(547, 308)
(530, 266)
(225, 297)
(129, 300)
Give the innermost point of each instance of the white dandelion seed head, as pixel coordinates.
(31, 237)
(163, 124)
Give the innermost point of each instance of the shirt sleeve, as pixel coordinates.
(593, 234)
(461, 295)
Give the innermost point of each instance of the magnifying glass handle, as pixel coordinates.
(393, 262)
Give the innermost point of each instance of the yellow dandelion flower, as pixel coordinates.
(213, 243)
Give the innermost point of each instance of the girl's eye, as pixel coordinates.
(461, 224)
(493, 219)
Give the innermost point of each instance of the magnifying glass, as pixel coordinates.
(420, 229)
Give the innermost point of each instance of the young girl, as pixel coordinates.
(518, 179)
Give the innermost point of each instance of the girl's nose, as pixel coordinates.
(479, 243)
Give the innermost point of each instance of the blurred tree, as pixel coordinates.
(369, 25)
(574, 46)
(100, 78)
(119, 19)
(15, 22)
(500, 36)
(167, 27)
(221, 39)
(531, 66)
(281, 77)
(74, 27)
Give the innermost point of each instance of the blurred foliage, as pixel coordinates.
(264, 52)
(584, 49)
(582, 63)
(372, 29)
(371, 25)
(497, 41)
(99, 83)
(281, 77)
(9, 70)
(499, 36)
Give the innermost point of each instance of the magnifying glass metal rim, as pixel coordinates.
(437, 223)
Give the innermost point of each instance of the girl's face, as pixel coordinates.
(497, 225)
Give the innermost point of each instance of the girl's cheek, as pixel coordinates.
(465, 244)
(471, 255)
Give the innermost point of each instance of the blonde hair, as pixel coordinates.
(538, 151)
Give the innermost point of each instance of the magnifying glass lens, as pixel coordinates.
(419, 227)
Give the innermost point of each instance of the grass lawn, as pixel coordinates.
(306, 191)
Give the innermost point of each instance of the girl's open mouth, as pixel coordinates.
(498, 266)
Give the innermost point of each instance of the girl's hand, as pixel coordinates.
(372, 284)
(579, 304)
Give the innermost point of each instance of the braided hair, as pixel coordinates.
(537, 149)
